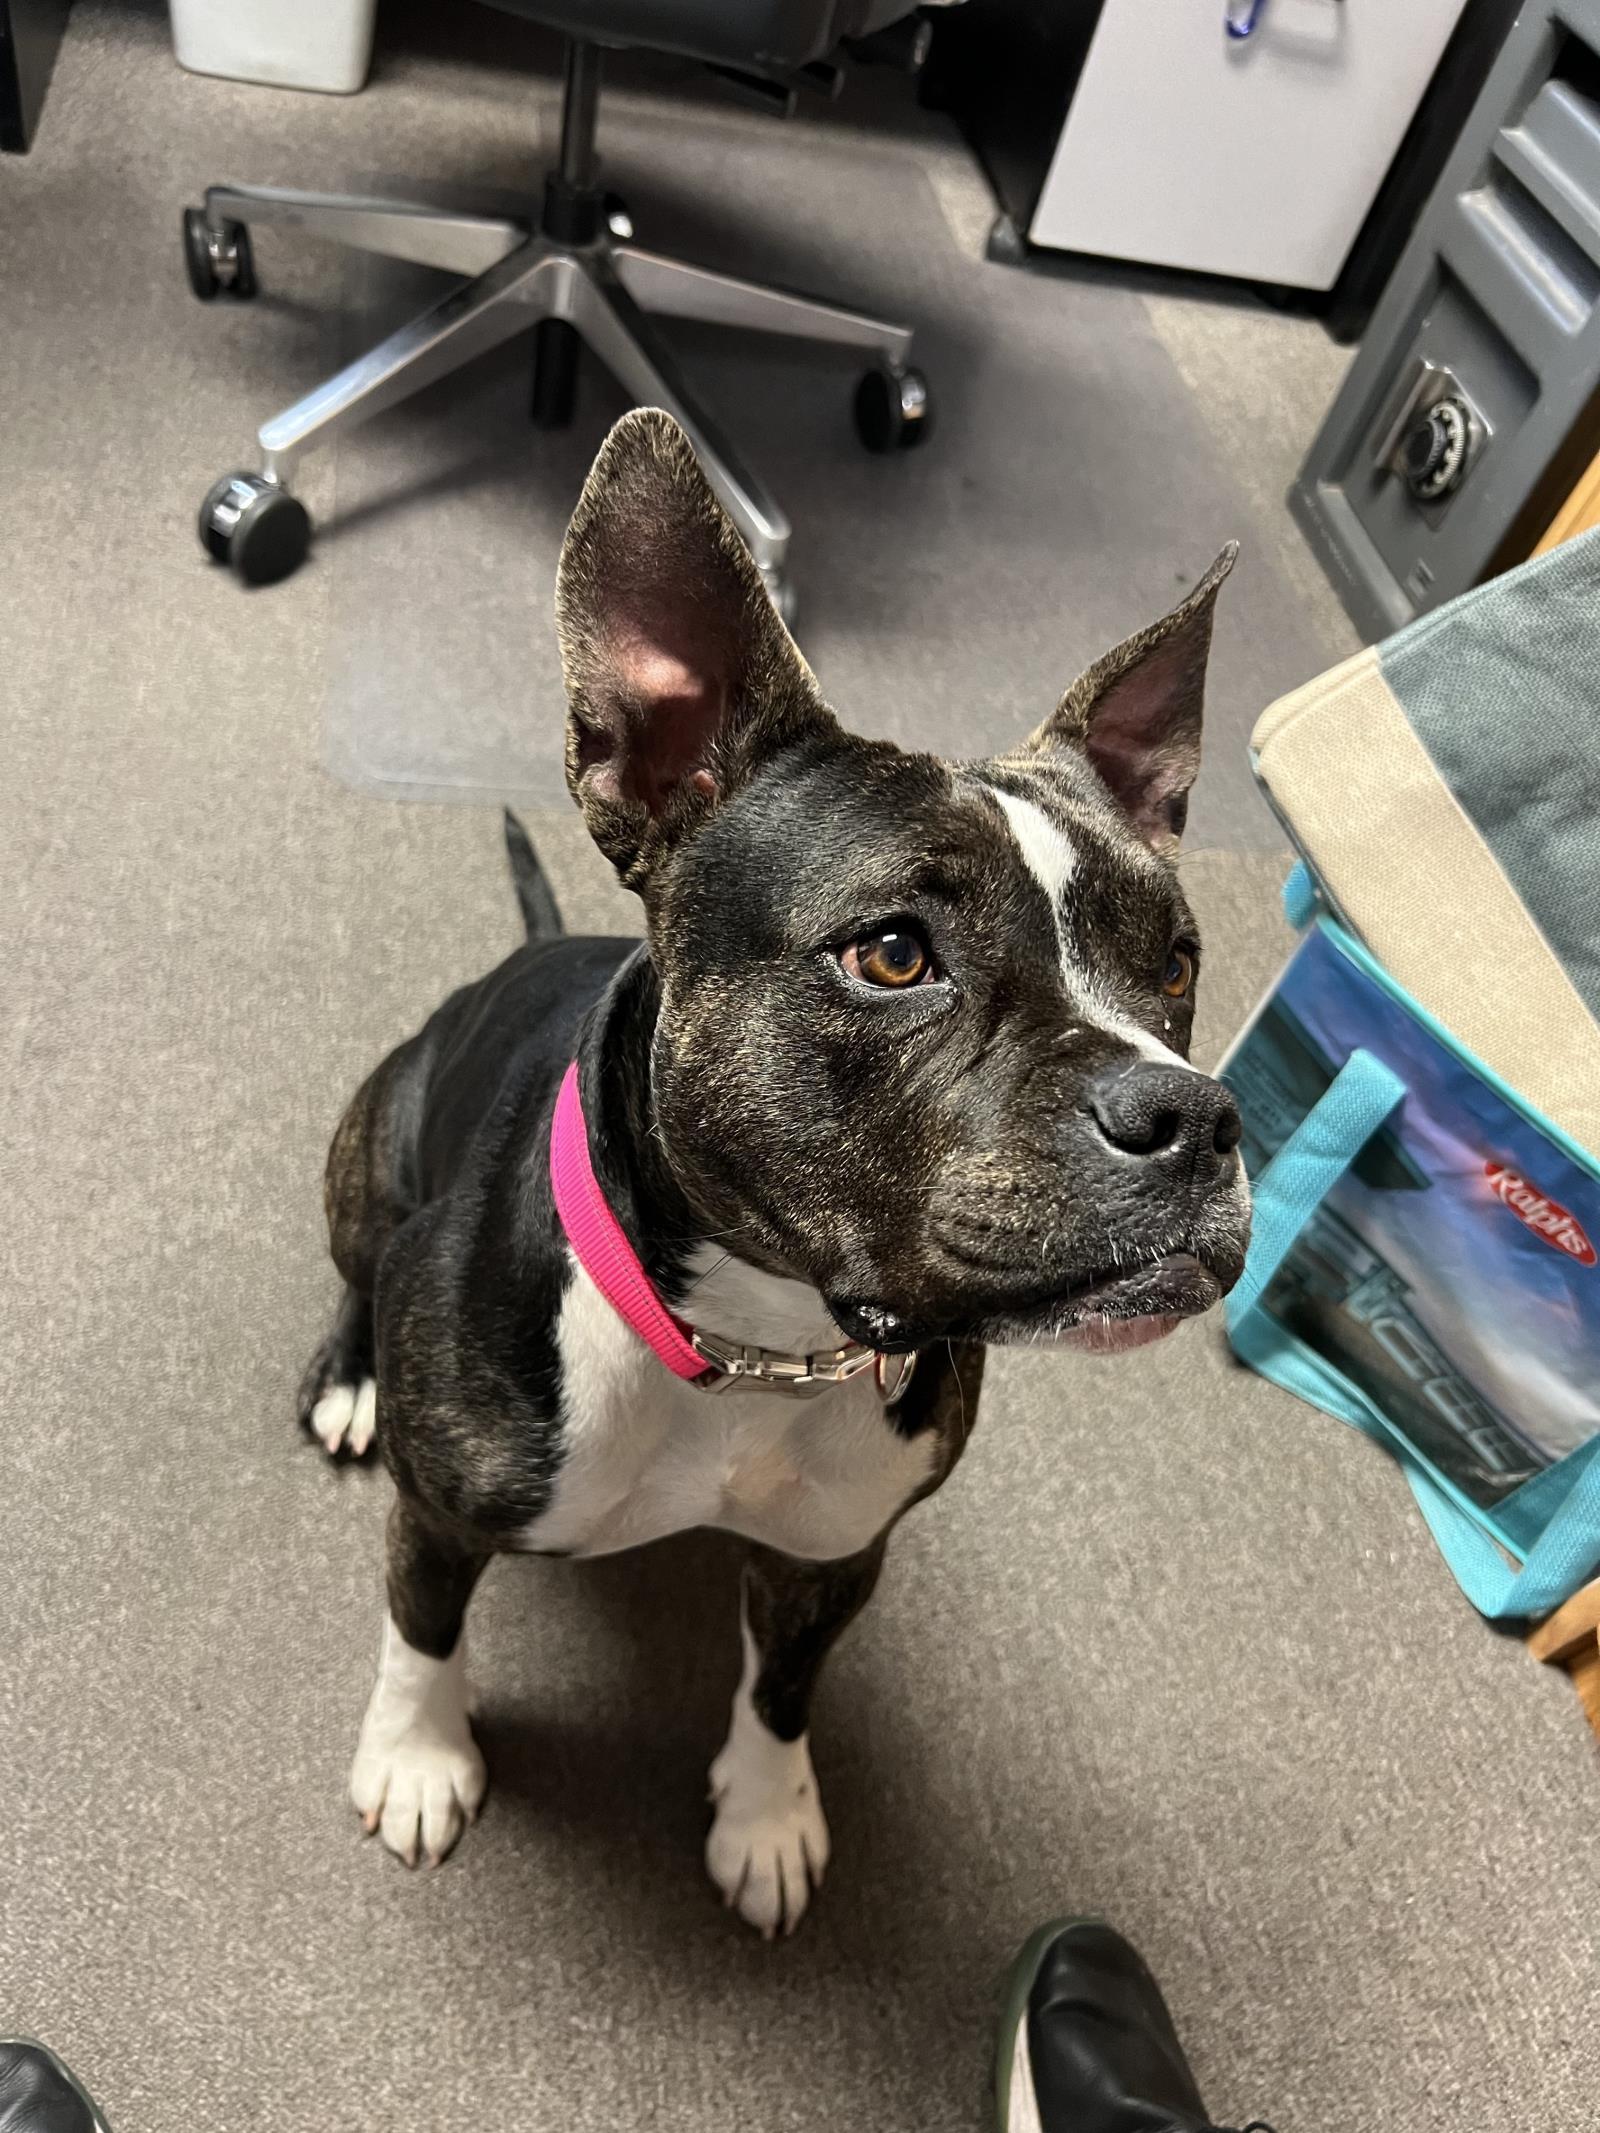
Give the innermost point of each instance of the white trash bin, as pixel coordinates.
(289, 44)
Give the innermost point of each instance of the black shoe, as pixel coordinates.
(1087, 2044)
(39, 2094)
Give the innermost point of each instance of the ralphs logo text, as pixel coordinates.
(1547, 1218)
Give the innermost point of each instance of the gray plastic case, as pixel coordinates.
(1493, 308)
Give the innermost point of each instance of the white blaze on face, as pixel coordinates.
(1048, 854)
(1045, 847)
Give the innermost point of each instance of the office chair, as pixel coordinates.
(572, 275)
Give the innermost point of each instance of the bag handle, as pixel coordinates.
(1358, 1100)
(1308, 1166)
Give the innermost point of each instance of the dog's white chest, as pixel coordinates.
(647, 1455)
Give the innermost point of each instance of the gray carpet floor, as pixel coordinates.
(1169, 1647)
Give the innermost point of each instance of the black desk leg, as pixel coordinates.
(30, 33)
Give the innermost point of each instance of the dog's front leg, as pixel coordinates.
(768, 1845)
(418, 1778)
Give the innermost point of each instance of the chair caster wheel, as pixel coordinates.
(893, 410)
(1006, 245)
(257, 528)
(218, 257)
(781, 593)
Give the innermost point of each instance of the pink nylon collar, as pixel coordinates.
(596, 1236)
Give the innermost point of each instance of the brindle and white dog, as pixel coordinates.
(898, 1071)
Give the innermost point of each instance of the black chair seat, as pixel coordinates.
(777, 34)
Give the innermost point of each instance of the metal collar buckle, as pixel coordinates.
(801, 1377)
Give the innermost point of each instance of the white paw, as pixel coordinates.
(768, 1847)
(417, 1779)
(420, 1794)
(346, 1417)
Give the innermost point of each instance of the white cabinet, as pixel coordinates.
(1256, 157)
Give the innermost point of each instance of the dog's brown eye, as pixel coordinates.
(1179, 974)
(896, 957)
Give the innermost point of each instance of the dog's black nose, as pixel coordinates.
(1155, 1110)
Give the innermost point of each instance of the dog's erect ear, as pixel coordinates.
(1136, 713)
(681, 678)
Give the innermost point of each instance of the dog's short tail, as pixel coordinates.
(541, 914)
